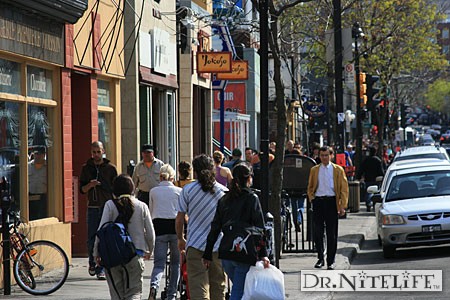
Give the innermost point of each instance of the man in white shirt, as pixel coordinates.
(328, 193)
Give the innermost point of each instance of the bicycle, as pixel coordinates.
(40, 267)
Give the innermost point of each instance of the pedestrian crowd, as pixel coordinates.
(198, 224)
(176, 219)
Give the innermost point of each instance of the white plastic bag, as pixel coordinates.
(264, 284)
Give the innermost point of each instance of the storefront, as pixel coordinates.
(157, 94)
(31, 156)
(59, 91)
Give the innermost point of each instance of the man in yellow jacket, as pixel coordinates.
(328, 193)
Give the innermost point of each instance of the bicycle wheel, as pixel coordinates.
(45, 264)
(26, 276)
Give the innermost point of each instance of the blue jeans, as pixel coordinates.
(237, 272)
(162, 242)
(368, 195)
(297, 205)
(94, 216)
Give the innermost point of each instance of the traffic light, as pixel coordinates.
(362, 89)
(372, 91)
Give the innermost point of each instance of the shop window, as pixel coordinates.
(39, 141)
(445, 33)
(104, 131)
(39, 83)
(105, 112)
(9, 77)
(103, 93)
(171, 130)
(9, 146)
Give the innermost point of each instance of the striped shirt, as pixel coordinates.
(201, 207)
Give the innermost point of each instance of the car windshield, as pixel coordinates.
(417, 185)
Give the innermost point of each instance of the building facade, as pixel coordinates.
(60, 72)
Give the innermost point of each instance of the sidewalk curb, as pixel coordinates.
(348, 250)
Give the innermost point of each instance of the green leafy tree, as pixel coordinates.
(399, 42)
(438, 96)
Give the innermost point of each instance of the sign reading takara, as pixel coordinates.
(213, 62)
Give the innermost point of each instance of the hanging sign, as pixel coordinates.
(239, 71)
(314, 108)
(213, 62)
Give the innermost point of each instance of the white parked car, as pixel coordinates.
(422, 152)
(397, 166)
(415, 208)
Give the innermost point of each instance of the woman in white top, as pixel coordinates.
(140, 228)
(163, 208)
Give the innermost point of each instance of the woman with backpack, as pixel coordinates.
(135, 216)
(239, 216)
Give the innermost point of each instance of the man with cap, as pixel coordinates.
(236, 159)
(146, 173)
(37, 181)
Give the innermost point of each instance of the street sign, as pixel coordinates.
(239, 71)
(213, 62)
(349, 76)
(314, 108)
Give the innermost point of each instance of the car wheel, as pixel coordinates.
(388, 251)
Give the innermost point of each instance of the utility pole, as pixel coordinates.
(338, 81)
(264, 84)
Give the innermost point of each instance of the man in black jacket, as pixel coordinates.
(96, 180)
(371, 168)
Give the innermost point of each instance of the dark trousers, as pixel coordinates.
(325, 213)
(144, 197)
(38, 206)
(94, 216)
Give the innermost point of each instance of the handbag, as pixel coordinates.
(241, 241)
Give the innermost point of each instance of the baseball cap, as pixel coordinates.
(236, 152)
(147, 148)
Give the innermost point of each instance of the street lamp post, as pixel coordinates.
(356, 34)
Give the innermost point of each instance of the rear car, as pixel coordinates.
(421, 152)
(415, 209)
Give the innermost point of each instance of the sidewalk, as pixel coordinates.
(352, 231)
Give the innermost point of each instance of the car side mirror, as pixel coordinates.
(373, 189)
